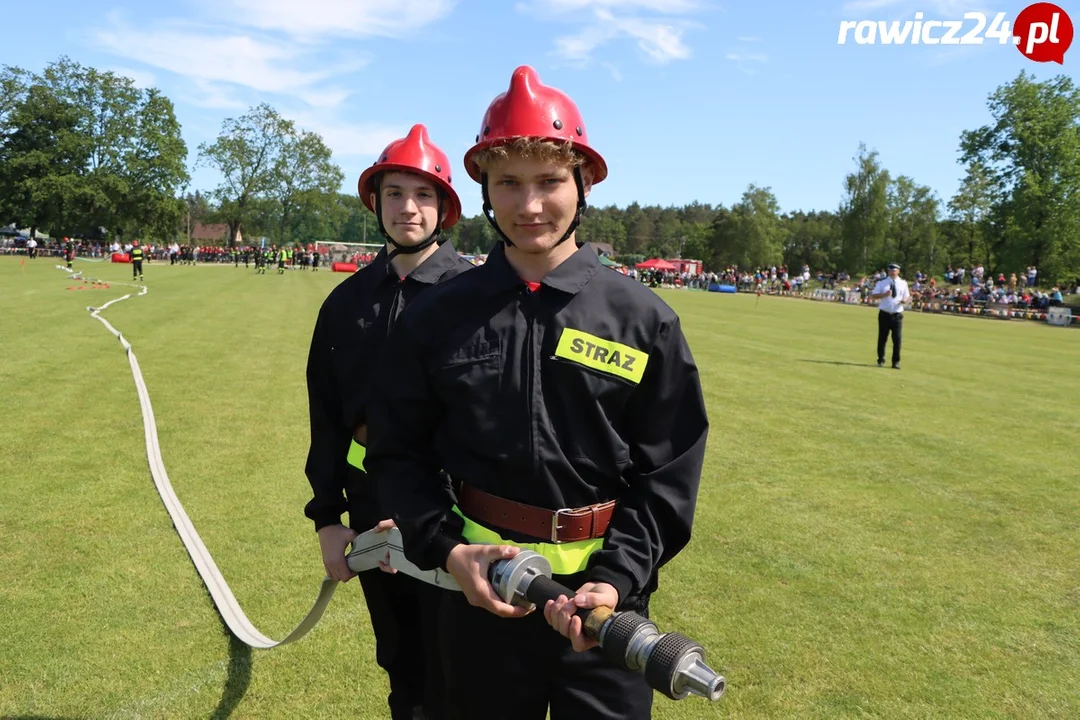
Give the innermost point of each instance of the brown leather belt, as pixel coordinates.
(558, 526)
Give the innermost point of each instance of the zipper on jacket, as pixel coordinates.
(530, 368)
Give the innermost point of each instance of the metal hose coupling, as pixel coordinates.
(672, 663)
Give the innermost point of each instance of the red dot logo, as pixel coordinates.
(1043, 32)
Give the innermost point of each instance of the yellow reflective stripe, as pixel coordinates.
(565, 558)
(603, 355)
(357, 453)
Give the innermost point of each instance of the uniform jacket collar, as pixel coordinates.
(569, 277)
(428, 272)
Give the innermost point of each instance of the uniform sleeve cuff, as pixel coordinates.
(326, 519)
(623, 584)
(441, 545)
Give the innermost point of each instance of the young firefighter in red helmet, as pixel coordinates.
(408, 188)
(562, 400)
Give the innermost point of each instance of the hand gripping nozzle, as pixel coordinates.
(672, 663)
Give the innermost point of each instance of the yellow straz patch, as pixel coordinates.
(603, 355)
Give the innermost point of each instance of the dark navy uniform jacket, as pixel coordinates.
(578, 393)
(349, 336)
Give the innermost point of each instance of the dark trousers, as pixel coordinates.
(404, 616)
(136, 268)
(889, 323)
(515, 669)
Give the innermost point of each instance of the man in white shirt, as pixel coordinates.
(31, 248)
(893, 292)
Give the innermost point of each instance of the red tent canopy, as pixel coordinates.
(655, 264)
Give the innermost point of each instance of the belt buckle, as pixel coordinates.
(555, 526)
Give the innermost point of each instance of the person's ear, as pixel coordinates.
(587, 176)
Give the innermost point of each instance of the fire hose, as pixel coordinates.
(672, 664)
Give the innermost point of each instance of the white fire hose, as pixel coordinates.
(671, 663)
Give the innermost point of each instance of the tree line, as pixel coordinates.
(85, 153)
(1018, 205)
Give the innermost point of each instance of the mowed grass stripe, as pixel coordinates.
(867, 543)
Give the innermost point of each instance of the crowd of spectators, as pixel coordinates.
(177, 254)
(970, 286)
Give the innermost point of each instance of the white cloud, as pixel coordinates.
(747, 62)
(324, 99)
(200, 54)
(615, 74)
(311, 19)
(239, 52)
(661, 41)
(213, 96)
(141, 78)
(581, 46)
(347, 138)
(220, 64)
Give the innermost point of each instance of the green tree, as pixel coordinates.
(105, 155)
(42, 159)
(14, 83)
(752, 235)
(697, 213)
(246, 153)
(471, 235)
(639, 229)
(306, 182)
(356, 223)
(811, 239)
(670, 234)
(1032, 153)
(912, 240)
(970, 209)
(696, 241)
(197, 209)
(317, 218)
(153, 168)
(136, 162)
(864, 214)
(603, 225)
(262, 219)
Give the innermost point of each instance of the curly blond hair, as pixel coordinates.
(534, 148)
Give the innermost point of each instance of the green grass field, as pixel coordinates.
(868, 543)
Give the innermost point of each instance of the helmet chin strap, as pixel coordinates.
(400, 249)
(489, 212)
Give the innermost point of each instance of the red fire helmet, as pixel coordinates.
(531, 109)
(414, 153)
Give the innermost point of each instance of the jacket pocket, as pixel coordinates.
(587, 412)
(467, 380)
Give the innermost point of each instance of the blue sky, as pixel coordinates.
(686, 99)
